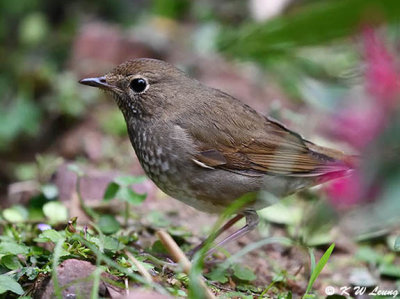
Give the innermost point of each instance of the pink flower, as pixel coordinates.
(358, 126)
(382, 80)
(345, 191)
(361, 125)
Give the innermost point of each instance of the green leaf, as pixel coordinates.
(9, 284)
(112, 244)
(243, 273)
(129, 180)
(38, 251)
(11, 262)
(171, 9)
(16, 214)
(219, 275)
(55, 211)
(277, 36)
(108, 224)
(94, 240)
(247, 287)
(158, 219)
(178, 231)
(26, 171)
(389, 270)
(367, 254)
(318, 237)
(128, 195)
(158, 247)
(33, 29)
(49, 235)
(397, 244)
(13, 248)
(31, 272)
(318, 268)
(111, 191)
(235, 294)
(282, 213)
(50, 191)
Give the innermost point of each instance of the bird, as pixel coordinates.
(208, 149)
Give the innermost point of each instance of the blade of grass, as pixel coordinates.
(318, 268)
(96, 283)
(54, 274)
(312, 259)
(195, 287)
(96, 280)
(232, 209)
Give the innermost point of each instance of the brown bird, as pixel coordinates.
(206, 148)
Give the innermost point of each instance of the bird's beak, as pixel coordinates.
(99, 82)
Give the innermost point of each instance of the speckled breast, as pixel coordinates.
(160, 162)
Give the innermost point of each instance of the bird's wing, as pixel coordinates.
(234, 137)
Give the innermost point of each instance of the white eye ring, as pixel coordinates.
(139, 85)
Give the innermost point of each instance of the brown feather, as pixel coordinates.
(251, 143)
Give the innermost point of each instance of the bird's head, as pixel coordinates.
(142, 87)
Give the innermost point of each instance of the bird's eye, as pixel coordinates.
(138, 85)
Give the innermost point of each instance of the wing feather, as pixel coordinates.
(252, 144)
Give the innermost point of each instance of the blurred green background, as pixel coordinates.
(295, 60)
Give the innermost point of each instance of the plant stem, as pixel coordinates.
(126, 214)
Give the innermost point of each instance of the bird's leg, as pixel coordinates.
(252, 220)
(226, 226)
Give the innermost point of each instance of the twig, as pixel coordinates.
(127, 286)
(142, 270)
(179, 257)
(126, 214)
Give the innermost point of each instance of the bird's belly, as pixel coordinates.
(210, 190)
(179, 188)
(206, 190)
(166, 166)
(170, 179)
